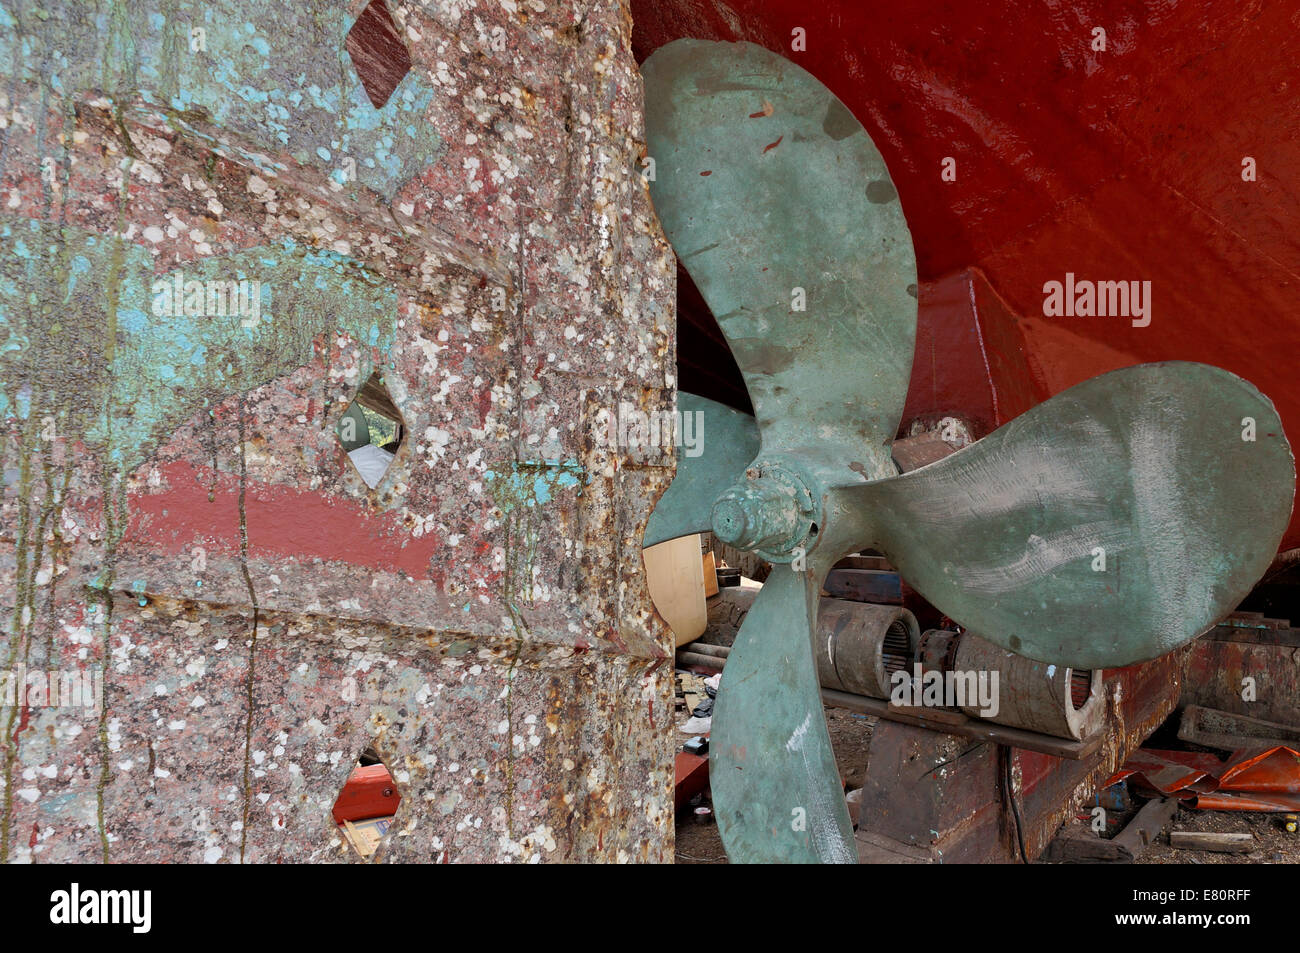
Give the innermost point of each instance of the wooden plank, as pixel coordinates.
(912, 453)
(1078, 844)
(675, 577)
(366, 836)
(955, 723)
(710, 575)
(878, 849)
(374, 396)
(1233, 732)
(1147, 825)
(1219, 843)
(1252, 627)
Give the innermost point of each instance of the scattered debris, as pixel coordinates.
(1267, 780)
(1078, 844)
(366, 805)
(364, 836)
(696, 726)
(697, 701)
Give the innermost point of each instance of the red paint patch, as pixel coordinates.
(283, 522)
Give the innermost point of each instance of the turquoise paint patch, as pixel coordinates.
(132, 320)
(532, 484)
(165, 367)
(283, 81)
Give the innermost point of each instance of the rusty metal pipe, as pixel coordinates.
(704, 661)
(1052, 699)
(703, 648)
(860, 645)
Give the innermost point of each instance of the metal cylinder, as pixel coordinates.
(860, 645)
(1052, 699)
(704, 648)
(937, 649)
(715, 662)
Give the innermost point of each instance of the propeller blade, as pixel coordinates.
(1111, 524)
(725, 440)
(776, 788)
(776, 200)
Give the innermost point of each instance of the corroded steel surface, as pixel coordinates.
(178, 514)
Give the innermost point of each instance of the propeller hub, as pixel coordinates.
(771, 513)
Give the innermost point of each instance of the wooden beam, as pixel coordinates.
(1219, 843)
(1147, 825)
(955, 723)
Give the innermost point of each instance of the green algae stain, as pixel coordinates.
(518, 494)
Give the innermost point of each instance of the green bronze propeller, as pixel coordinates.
(1110, 524)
